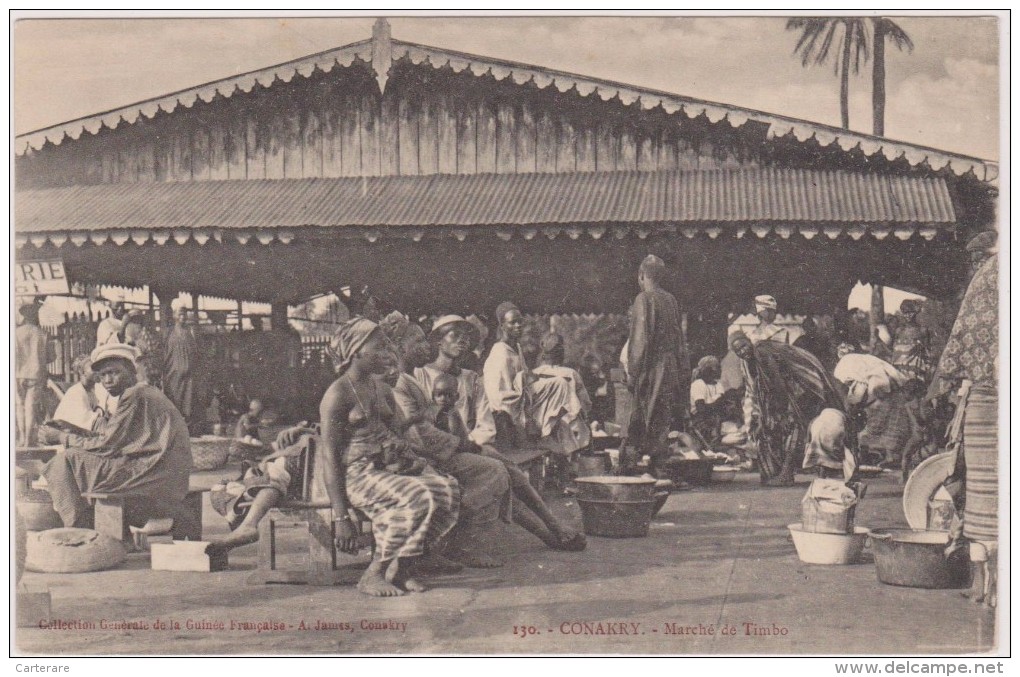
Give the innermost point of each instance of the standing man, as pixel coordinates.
(109, 329)
(180, 367)
(767, 330)
(33, 352)
(658, 368)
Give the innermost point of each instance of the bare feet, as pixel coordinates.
(237, 538)
(570, 541)
(397, 574)
(373, 582)
(475, 559)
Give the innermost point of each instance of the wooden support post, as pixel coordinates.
(278, 315)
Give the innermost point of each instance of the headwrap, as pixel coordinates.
(765, 302)
(983, 241)
(395, 326)
(348, 339)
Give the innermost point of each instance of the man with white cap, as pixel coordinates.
(140, 450)
(765, 307)
(109, 329)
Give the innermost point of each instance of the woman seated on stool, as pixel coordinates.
(454, 338)
(539, 408)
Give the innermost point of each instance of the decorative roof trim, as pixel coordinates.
(381, 49)
(143, 236)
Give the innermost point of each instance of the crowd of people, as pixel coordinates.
(416, 429)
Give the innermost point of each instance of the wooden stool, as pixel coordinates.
(112, 515)
(316, 518)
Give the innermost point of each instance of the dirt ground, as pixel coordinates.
(717, 574)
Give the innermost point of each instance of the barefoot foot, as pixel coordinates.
(237, 538)
(374, 584)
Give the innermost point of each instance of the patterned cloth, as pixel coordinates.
(787, 388)
(972, 351)
(981, 452)
(142, 450)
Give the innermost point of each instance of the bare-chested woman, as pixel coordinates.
(410, 514)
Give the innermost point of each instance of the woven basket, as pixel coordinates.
(72, 551)
(209, 452)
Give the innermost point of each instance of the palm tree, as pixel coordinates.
(818, 35)
(884, 29)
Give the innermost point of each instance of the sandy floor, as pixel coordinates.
(718, 568)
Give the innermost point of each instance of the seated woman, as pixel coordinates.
(410, 514)
(454, 338)
(537, 408)
(140, 448)
(484, 483)
(711, 402)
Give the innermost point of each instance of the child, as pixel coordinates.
(445, 392)
(247, 429)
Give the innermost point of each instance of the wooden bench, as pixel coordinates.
(316, 519)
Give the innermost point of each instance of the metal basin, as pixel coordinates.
(917, 559)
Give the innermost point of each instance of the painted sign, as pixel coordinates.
(34, 278)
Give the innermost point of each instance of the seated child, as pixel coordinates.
(247, 429)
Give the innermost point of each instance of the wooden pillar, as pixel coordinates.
(278, 315)
(240, 315)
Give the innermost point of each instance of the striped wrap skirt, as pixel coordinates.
(981, 453)
(408, 512)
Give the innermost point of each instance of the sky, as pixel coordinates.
(943, 94)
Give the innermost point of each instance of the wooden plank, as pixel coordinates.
(648, 154)
(428, 137)
(687, 157)
(180, 169)
(293, 163)
(606, 148)
(446, 132)
(407, 137)
(370, 135)
(585, 161)
(525, 141)
(254, 148)
(147, 159)
(236, 144)
(506, 132)
(200, 153)
(466, 141)
(486, 139)
(311, 145)
(389, 136)
(566, 148)
(93, 162)
(127, 161)
(627, 159)
(545, 143)
(667, 153)
(275, 133)
(332, 142)
(349, 135)
(218, 170)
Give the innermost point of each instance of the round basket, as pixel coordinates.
(36, 509)
(72, 551)
(210, 452)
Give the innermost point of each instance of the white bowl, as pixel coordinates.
(724, 473)
(815, 548)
